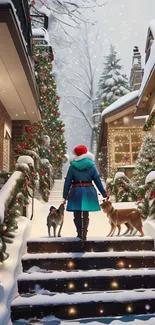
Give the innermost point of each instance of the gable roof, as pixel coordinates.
(120, 103)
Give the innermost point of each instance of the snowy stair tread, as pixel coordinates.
(89, 260)
(83, 305)
(51, 244)
(82, 281)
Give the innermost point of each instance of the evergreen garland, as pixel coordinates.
(145, 162)
(13, 208)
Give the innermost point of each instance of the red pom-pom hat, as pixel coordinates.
(82, 152)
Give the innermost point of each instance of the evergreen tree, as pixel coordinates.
(145, 162)
(44, 141)
(112, 84)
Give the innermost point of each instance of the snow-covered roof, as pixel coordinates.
(148, 68)
(40, 32)
(120, 102)
(152, 27)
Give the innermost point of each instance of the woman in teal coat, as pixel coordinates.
(79, 190)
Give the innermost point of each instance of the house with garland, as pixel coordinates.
(146, 102)
(121, 133)
(19, 103)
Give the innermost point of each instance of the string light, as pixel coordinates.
(121, 264)
(86, 285)
(110, 249)
(114, 285)
(129, 308)
(71, 286)
(118, 136)
(72, 311)
(70, 264)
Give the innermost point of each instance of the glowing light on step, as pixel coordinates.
(72, 311)
(70, 264)
(130, 265)
(92, 249)
(71, 286)
(114, 285)
(86, 285)
(110, 249)
(129, 309)
(121, 264)
(101, 311)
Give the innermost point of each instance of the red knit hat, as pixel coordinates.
(80, 150)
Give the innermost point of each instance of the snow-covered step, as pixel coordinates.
(89, 260)
(128, 319)
(72, 244)
(92, 280)
(84, 305)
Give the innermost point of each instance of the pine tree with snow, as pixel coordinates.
(44, 141)
(112, 84)
(145, 162)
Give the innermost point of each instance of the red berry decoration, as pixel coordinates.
(33, 2)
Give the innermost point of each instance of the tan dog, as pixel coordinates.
(130, 217)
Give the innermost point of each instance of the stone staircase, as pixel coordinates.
(70, 279)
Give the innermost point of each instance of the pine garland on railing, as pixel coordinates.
(14, 208)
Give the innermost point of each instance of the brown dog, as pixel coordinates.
(55, 218)
(130, 217)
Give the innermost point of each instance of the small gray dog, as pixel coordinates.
(55, 218)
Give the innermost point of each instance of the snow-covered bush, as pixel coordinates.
(123, 189)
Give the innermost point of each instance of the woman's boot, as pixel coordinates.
(78, 223)
(85, 225)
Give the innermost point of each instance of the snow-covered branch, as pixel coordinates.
(73, 102)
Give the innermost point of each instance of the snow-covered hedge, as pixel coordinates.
(6, 192)
(11, 269)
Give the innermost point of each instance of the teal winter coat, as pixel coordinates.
(82, 198)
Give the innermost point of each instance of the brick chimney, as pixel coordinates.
(136, 70)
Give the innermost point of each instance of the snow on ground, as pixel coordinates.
(98, 227)
(128, 320)
(10, 269)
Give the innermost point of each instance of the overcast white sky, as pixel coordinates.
(124, 23)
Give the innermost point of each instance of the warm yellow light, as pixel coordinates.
(120, 264)
(110, 249)
(86, 285)
(101, 311)
(72, 311)
(130, 265)
(129, 309)
(71, 285)
(70, 264)
(114, 285)
(92, 250)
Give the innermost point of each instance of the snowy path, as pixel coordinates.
(98, 227)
